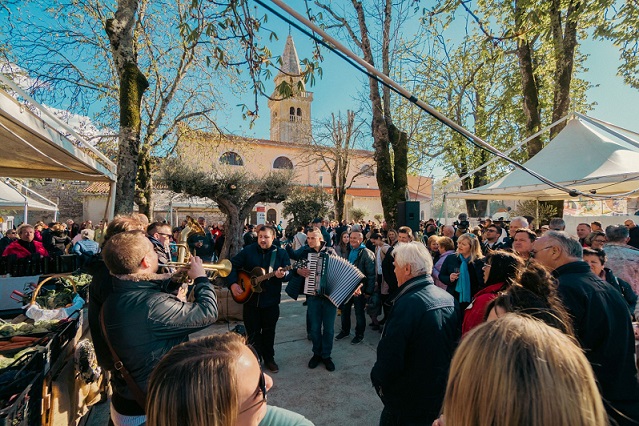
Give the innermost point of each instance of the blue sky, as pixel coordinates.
(340, 85)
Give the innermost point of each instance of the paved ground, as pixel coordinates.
(343, 397)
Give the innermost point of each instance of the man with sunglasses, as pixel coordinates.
(159, 234)
(600, 319)
(491, 239)
(10, 236)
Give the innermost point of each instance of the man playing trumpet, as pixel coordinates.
(143, 322)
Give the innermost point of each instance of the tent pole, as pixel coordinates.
(537, 218)
(445, 209)
(110, 210)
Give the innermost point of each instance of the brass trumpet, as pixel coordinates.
(223, 267)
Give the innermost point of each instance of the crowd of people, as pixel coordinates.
(493, 324)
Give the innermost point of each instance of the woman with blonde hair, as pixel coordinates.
(213, 381)
(519, 371)
(462, 273)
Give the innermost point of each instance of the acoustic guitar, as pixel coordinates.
(251, 282)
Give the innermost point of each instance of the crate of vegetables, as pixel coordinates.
(21, 381)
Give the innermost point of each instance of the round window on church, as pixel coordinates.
(367, 170)
(231, 158)
(282, 163)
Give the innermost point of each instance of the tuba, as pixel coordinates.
(191, 228)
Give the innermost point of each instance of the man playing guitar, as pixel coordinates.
(262, 310)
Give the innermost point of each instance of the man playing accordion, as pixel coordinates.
(321, 311)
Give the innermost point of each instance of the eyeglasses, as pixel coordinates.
(163, 234)
(261, 387)
(532, 253)
(599, 241)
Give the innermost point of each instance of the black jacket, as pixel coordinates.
(295, 285)
(253, 256)
(388, 270)
(143, 323)
(414, 353)
(602, 326)
(475, 271)
(365, 262)
(624, 288)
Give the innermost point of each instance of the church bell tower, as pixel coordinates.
(291, 116)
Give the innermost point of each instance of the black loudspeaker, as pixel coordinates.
(408, 214)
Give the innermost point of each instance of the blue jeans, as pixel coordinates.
(360, 317)
(321, 316)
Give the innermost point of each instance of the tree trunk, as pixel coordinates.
(391, 180)
(564, 45)
(529, 86)
(145, 183)
(132, 86)
(338, 203)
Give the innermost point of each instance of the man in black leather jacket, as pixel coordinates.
(142, 322)
(417, 344)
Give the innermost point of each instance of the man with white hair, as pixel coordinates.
(417, 343)
(516, 224)
(600, 319)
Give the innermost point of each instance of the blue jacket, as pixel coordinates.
(414, 353)
(253, 256)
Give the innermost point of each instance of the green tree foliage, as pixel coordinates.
(622, 27)
(357, 214)
(509, 76)
(306, 204)
(185, 50)
(529, 208)
(235, 190)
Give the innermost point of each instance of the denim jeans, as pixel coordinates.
(321, 314)
(360, 316)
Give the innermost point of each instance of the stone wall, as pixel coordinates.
(67, 194)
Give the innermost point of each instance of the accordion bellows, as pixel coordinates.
(333, 277)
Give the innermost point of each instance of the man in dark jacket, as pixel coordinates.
(262, 310)
(601, 322)
(142, 322)
(159, 234)
(321, 312)
(417, 344)
(364, 260)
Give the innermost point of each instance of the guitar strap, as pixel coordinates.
(272, 263)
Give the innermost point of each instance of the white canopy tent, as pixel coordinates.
(35, 147)
(588, 155)
(12, 199)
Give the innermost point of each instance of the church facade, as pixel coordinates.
(291, 147)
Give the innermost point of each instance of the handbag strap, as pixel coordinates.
(138, 394)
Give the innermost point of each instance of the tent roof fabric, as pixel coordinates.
(587, 155)
(31, 148)
(10, 199)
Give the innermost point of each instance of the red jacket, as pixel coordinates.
(474, 314)
(16, 248)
